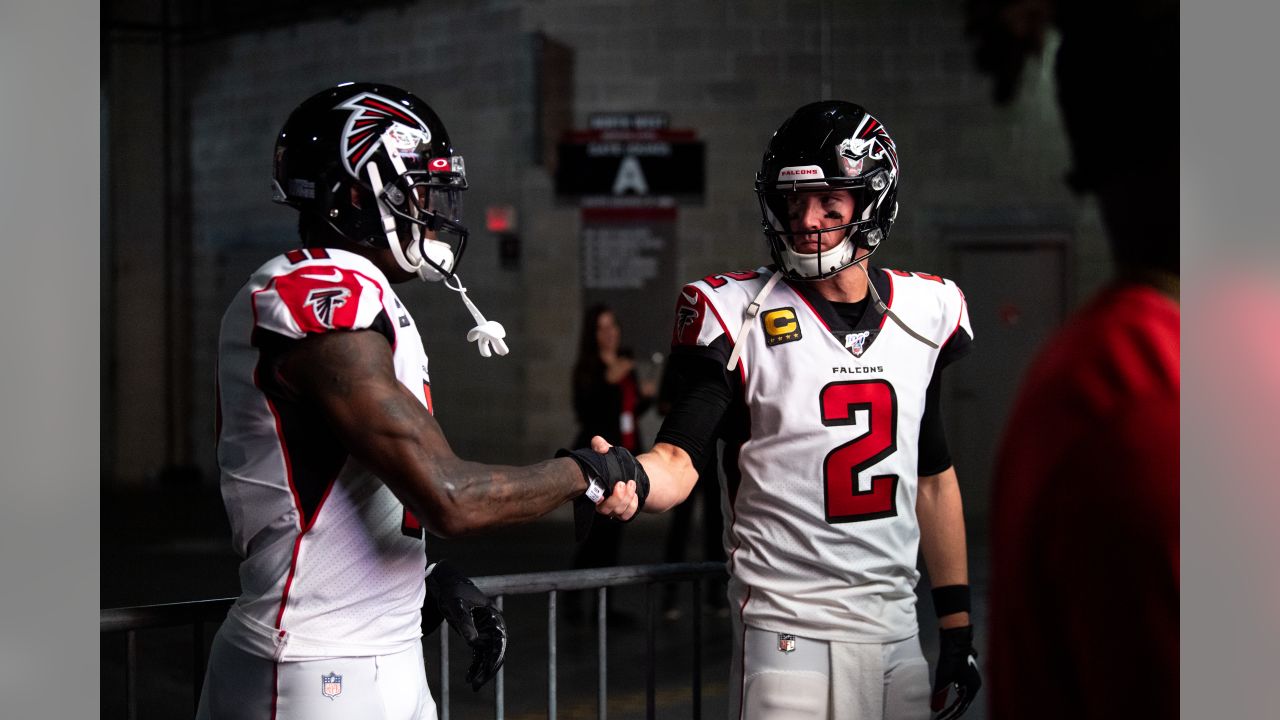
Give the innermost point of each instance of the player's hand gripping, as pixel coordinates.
(617, 484)
(471, 614)
(958, 671)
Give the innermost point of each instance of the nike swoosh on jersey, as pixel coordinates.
(691, 299)
(335, 276)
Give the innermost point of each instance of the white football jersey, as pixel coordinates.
(333, 564)
(821, 450)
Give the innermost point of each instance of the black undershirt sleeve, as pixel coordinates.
(698, 391)
(935, 456)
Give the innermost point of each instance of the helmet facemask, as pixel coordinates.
(859, 238)
(419, 200)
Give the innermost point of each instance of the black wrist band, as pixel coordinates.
(596, 490)
(950, 599)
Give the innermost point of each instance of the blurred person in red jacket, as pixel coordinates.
(1084, 543)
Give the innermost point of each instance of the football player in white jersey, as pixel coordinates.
(821, 374)
(332, 464)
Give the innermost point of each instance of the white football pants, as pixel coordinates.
(240, 686)
(822, 680)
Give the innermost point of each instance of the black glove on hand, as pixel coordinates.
(471, 614)
(602, 473)
(958, 670)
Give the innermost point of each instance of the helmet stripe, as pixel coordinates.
(359, 153)
(390, 110)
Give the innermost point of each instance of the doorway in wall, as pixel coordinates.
(1016, 286)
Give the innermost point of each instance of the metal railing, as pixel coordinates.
(129, 620)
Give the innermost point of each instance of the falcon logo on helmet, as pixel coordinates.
(869, 140)
(371, 117)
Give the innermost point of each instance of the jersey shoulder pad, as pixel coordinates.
(932, 301)
(314, 291)
(920, 282)
(712, 307)
(744, 281)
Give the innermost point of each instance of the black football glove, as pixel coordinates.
(471, 614)
(957, 670)
(602, 473)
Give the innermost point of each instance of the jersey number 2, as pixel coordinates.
(841, 402)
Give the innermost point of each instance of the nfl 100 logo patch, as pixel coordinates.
(786, 643)
(855, 342)
(331, 685)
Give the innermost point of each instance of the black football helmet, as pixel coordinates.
(376, 164)
(824, 146)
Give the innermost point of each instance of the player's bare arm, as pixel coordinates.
(672, 476)
(349, 377)
(702, 394)
(942, 537)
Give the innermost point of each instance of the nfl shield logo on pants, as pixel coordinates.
(331, 686)
(786, 643)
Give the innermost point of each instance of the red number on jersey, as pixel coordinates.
(840, 403)
(922, 276)
(718, 281)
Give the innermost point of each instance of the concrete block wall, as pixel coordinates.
(731, 69)
(245, 90)
(735, 70)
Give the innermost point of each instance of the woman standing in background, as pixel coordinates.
(608, 397)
